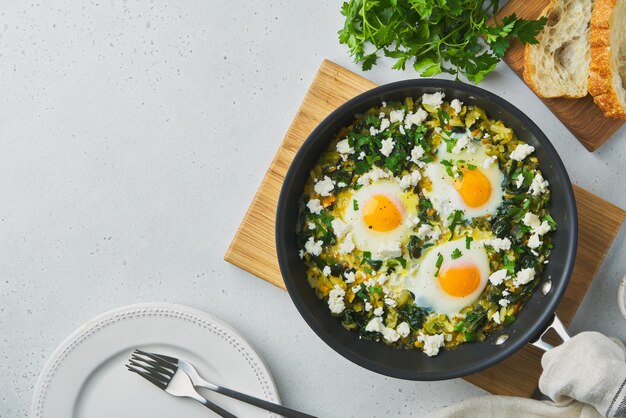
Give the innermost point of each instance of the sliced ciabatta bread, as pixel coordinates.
(607, 39)
(558, 65)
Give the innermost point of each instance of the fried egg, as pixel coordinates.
(381, 216)
(476, 191)
(447, 284)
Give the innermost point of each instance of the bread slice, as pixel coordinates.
(607, 72)
(558, 66)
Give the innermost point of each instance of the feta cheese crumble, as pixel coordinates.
(396, 115)
(504, 302)
(498, 277)
(387, 146)
(391, 249)
(496, 318)
(335, 300)
(498, 244)
(340, 228)
(463, 142)
(531, 220)
(534, 241)
(324, 187)
(326, 271)
(384, 124)
(432, 343)
(524, 276)
(350, 277)
(519, 181)
(456, 104)
(347, 245)
(378, 311)
(390, 302)
(375, 174)
(410, 180)
(539, 185)
(521, 151)
(343, 147)
(434, 100)
(376, 325)
(403, 329)
(416, 153)
(313, 247)
(489, 161)
(315, 206)
(416, 118)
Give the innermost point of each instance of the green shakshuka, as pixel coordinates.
(425, 224)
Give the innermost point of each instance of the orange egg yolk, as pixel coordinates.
(381, 214)
(474, 188)
(459, 281)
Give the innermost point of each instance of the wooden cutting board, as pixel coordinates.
(253, 248)
(581, 116)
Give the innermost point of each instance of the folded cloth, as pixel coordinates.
(585, 376)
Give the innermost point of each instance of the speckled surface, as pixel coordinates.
(133, 137)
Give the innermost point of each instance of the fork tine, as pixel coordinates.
(157, 357)
(155, 364)
(152, 368)
(156, 382)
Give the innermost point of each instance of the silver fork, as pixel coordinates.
(172, 380)
(198, 381)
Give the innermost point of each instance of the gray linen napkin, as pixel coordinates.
(585, 376)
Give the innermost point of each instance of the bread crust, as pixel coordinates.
(529, 67)
(600, 69)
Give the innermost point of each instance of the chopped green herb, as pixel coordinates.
(456, 218)
(355, 204)
(471, 167)
(456, 254)
(448, 165)
(438, 263)
(468, 242)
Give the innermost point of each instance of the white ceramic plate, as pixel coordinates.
(86, 376)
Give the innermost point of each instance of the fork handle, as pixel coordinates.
(216, 408)
(268, 406)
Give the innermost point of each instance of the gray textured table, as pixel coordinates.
(133, 137)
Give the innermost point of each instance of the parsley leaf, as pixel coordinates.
(433, 36)
(438, 263)
(456, 254)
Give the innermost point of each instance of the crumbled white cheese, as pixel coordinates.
(301, 254)
(519, 181)
(403, 329)
(396, 115)
(539, 185)
(542, 229)
(375, 174)
(347, 245)
(504, 302)
(424, 231)
(381, 115)
(390, 302)
(350, 277)
(434, 100)
(391, 249)
(432, 343)
(387, 146)
(324, 187)
(463, 142)
(340, 228)
(341, 184)
(315, 206)
(489, 161)
(356, 289)
(498, 277)
(531, 220)
(368, 306)
(378, 311)
(311, 226)
(534, 241)
(384, 104)
(456, 104)
(382, 279)
(496, 318)
(521, 151)
(335, 300)
(384, 124)
(370, 282)
(410, 180)
(373, 131)
(401, 129)
(361, 155)
(416, 153)
(343, 147)
(376, 325)
(326, 271)
(498, 244)
(416, 118)
(313, 247)
(524, 276)
(413, 220)
(505, 293)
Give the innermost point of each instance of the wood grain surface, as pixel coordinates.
(253, 248)
(581, 116)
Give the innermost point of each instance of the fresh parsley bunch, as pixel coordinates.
(452, 36)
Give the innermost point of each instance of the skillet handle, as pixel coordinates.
(557, 326)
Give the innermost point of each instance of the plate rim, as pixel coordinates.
(112, 316)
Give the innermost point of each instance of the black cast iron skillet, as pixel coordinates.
(535, 316)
